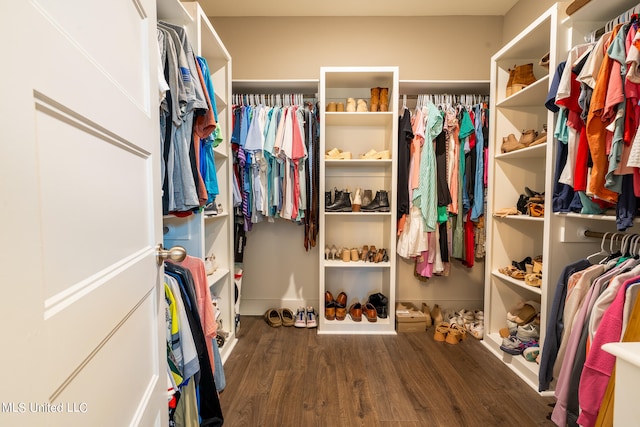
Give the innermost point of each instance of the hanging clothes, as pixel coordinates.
(441, 155)
(276, 162)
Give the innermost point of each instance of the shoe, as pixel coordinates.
(340, 107)
(287, 317)
(351, 105)
(533, 279)
(272, 317)
(478, 315)
(211, 209)
(327, 252)
(311, 318)
(509, 90)
(361, 107)
(346, 254)
(511, 329)
(522, 265)
(455, 335)
(327, 198)
(336, 154)
(367, 197)
(441, 332)
(523, 77)
(511, 345)
(528, 332)
(371, 255)
(510, 143)
(210, 265)
(342, 202)
(527, 137)
(384, 99)
(476, 330)
(355, 311)
(542, 138)
(334, 251)
(331, 107)
(376, 155)
(356, 200)
(369, 311)
(329, 306)
(301, 318)
(355, 256)
(375, 99)
(544, 61)
(427, 315)
(531, 353)
(526, 314)
(436, 315)
(380, 302)
(341, 306)
(380, 203)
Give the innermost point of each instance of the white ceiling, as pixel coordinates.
(240, 8)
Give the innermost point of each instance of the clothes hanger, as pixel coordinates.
(602, 251)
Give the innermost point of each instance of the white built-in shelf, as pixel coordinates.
(516, 282)
(519, 218)
(537, 151)
(530, 95)
(220, 216)
(217, 276)
(355, 264)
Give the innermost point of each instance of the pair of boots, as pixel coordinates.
(379, 99)
(361, 200)
(520, 77)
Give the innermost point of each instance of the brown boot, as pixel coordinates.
(384, 99)
(375, 99)
(509, 90)
(523, 77)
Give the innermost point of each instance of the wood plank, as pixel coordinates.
(292, 377)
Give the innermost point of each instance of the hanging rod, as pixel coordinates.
(606, 236)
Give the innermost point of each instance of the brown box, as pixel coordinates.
(409, 318)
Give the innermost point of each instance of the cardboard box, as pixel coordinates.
(409, 318)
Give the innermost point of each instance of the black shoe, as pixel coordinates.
(380, 302)
(342, 202)
(327, 198)
(380, 203)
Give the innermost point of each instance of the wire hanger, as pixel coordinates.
(602, 251)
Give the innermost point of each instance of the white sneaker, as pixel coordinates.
(311, 318)
(528, 332)
(301, 318)
(476, 330)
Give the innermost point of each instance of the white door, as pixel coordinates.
(82, 337)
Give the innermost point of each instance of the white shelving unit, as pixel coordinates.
(515, 237)
(358, 132)
(202, 235)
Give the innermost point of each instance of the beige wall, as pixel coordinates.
(440, 48)
(521, 15)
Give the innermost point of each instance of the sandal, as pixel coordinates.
(506, 212)
(533, 279)
(273, 318)
(442, 330)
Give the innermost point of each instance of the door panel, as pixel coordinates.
(79, 191)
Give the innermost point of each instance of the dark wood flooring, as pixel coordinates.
(295, 377)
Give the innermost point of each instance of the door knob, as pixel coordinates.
(176, 253)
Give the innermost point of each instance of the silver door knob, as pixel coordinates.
(176, 253)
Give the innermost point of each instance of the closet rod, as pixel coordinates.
(601, 235)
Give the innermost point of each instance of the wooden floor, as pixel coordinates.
(295, 377)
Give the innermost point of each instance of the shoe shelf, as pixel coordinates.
(512, 238)
(217, 276)
(357, 163)
(358, 133)
(527, 96)
(516, 282)
(536, 152)
(218, 217)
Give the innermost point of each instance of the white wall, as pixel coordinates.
(277, 271)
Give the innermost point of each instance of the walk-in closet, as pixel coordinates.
(287, 213)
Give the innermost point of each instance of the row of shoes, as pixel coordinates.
(366, 254)
(337, 154)
(522, 334)
(379, 102)
(528, 138)
(452, 327)
(529, 270)
(304, 317)
(531, 203)
(344, 201)
(375, 307)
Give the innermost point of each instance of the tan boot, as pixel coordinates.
(375, 99)
(509, 90)
(384, 99)
(523, 77)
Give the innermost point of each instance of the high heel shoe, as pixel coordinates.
(371, 254)
(327, 251)
(334, 250)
